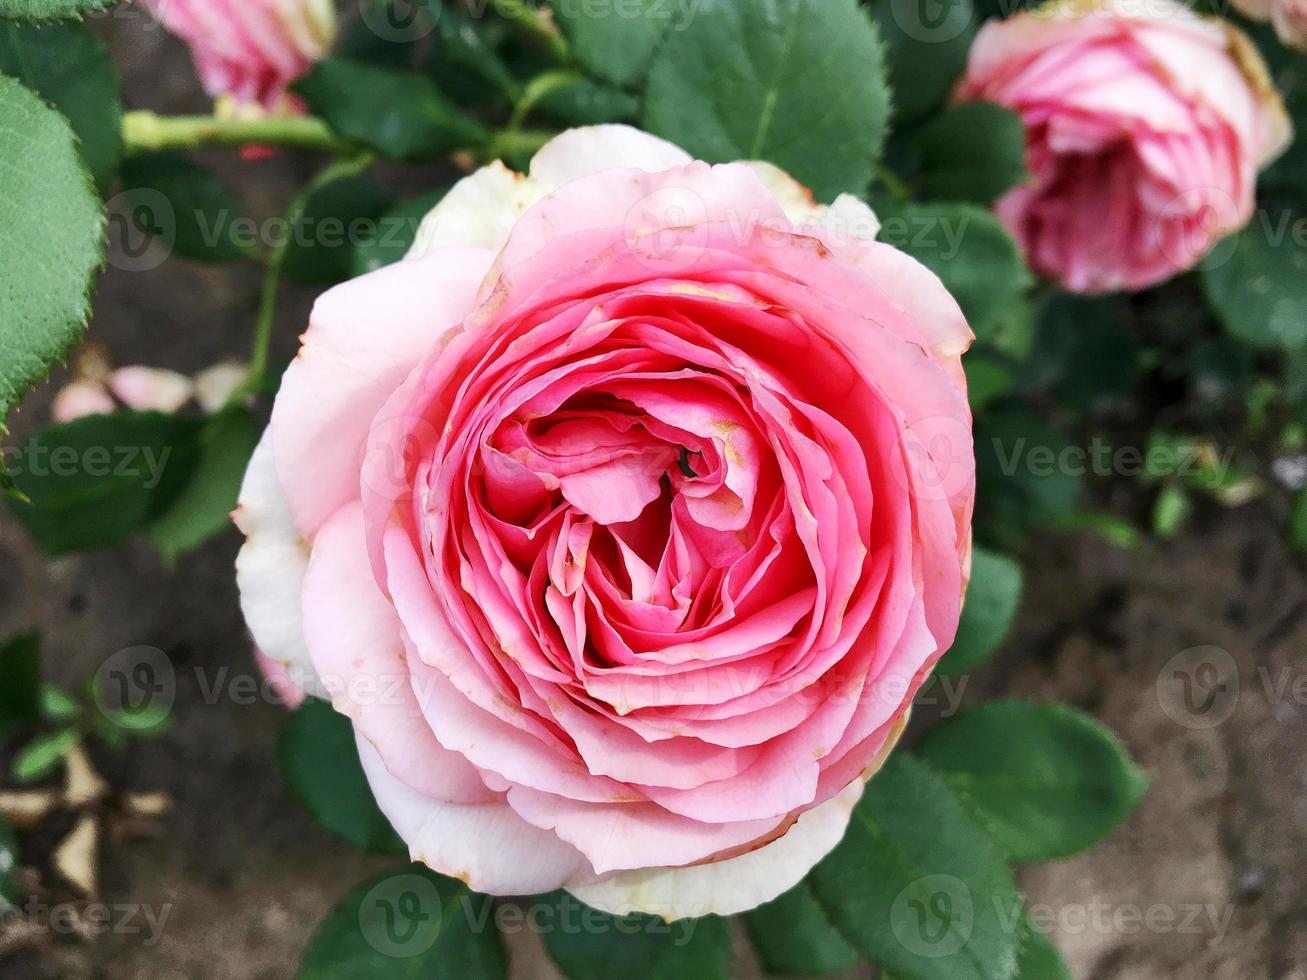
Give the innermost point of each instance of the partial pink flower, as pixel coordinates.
(279, 680)
(79, 398)
(250, 50)
(623, 519)
(1144, 135)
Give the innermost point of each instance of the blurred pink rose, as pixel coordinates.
(624, 518)
(81, 397)
(250, 50)
(1144, 136)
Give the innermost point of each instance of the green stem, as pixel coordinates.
(893, 183)
(528, 19)
(536, 89)
(516, 143)
(263, 325)
(145, 132)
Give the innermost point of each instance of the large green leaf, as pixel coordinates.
(1257, 281)
(69, 66)
(1046, 780)
(414, 924)
(396, 113)
(51, 233)
(926, 49)
(970, 251)
(1039, 958)
(318, 757)
(203, 508)
(336, 219)
(917, 885)
(186, 207)
(794, 937)
(20, 683)
(615, 42)
(42, 10)
(94, 481)
(973, 152)
(635, 945)
(800, 83)
(987, 613)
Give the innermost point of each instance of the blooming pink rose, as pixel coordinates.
(250, 50)
(623, 519)
(1144, 135)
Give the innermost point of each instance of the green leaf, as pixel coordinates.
(69, 66)
(8, 865)
(42, 10)
(926, 49)
(51, 234)
(615, 42)
(335, 219)
(1084, 353)
(319, 759)
(185, 207)
(412, 923)
(94, 481)
(583, 103)
(794, 937)
(970, 251)
(800, 83)
(1039, 959)
(1172, 507)
(43, 755)
(974, 152)
(991, 603)
(917, 885)
(988, 379)
(20, 683)
(463, 63)
(634, 945)
(1257, 281)
(203, 509)
(1047, 781)
(396, 230)
(1025, 469)
(397, 114)
(58, 706)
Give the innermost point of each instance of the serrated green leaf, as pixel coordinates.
(413, 923)
(970, 251)
(186, 207)
(203, 508)
(616, 43)
(20, 683)
(794, 937)
(335, 219)
(917, 885)
(396, 230)
(94, 481)
(799, 83)
(1257, 281)
(974, 152)
(319, 759)
(991, 603)
(51, 236)
(1046, 780)
(44, 10)
(636, 945)
(396, 113)
(69, 66)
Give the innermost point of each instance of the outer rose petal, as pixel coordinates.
(741, 883)
(343, 374)
(486, 845)
(270, 570)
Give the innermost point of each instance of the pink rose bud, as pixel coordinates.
(250, 50)
(623, 520)
(81, 398)
(148, 389)
(1144, 134)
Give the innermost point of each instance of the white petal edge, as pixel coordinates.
(588, 150)
(270, 570)
(485, 845)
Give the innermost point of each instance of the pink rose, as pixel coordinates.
(623, 519)
(1144, 135)
(250, 50)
